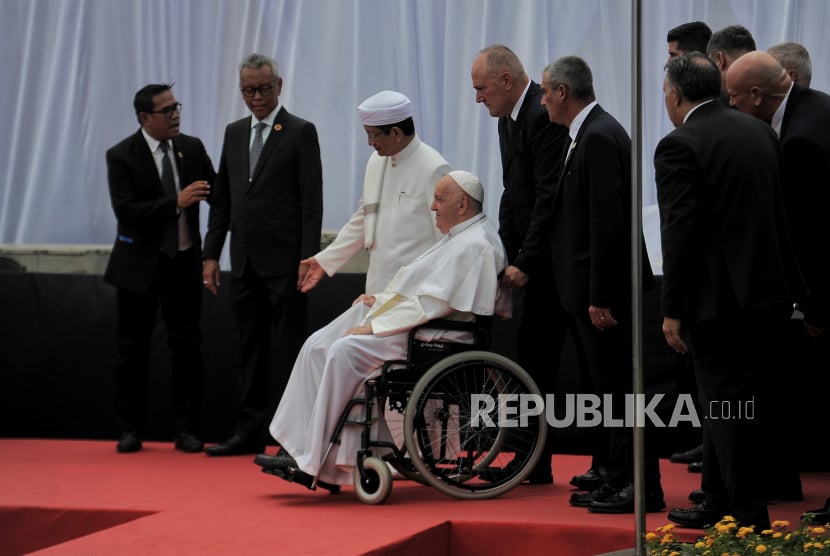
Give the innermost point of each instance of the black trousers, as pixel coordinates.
(539, 339)
(271, 318)
(177, 289)
(737, 361)
(608, 360)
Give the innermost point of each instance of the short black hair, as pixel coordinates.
(407, 126)
(691, 37)
(143, 100)
(733, 40)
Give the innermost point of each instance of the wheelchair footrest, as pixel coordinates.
(299, 477)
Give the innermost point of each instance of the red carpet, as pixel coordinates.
(63, 497)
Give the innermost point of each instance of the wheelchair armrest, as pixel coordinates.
(480, 328)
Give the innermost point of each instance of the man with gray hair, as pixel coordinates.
(795, 59)
(456, 279)
(269, 194)
(729, 278)
(531, 151)
(590, 238)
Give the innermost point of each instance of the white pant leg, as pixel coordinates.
(330, 371)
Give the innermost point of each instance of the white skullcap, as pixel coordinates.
(384, 108)
(470, 183)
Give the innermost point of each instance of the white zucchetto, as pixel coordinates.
(470, 183)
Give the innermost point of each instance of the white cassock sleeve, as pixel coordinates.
(405, 313)
(348, 242)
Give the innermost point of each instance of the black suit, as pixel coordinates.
(146, 278)
(275, 220)
(805, 143)
(531, 156)
(730, 277)
(590, 231)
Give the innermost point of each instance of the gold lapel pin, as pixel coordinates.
(181, 155)
(277, 127)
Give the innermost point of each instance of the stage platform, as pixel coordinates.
(80, 497)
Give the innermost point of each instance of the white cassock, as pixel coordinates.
(456, 278)
(393, 220)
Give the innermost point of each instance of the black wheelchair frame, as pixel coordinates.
(443, 446)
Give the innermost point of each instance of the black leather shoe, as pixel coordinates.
(128, 443)
(189, 443)
(590, 480)
(697, 496)
(235, 446)
(700, 516)
(584, 499)
(689, 456)
(622, 502)
(279, 461)
(820, 516)
(695, 467)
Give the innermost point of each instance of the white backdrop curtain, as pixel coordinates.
(70, 69)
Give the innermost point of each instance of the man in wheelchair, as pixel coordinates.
(455, 279)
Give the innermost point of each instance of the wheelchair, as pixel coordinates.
(458, 415)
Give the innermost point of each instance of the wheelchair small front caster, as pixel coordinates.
(375, 484)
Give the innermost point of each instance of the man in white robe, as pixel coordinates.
(457, 278)
(393, 219)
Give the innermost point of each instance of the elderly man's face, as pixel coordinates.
(448, 204)
(492, 90)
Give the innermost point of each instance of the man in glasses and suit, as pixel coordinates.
(157, 177)
(269, 195)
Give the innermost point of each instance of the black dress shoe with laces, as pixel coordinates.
(689, 456)
(590, 480)
(622, 502)
(188, 443)
(128, 443)
(235, 446)
(700, 516)
(584, 499)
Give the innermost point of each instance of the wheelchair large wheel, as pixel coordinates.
(476, 431)
(375, 484)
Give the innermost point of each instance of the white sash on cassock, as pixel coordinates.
(372, 185)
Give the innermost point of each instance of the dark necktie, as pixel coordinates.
(256, 149)
(511, 128)
(170, 242)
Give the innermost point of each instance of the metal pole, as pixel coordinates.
(636, 275)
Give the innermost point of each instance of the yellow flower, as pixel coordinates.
(744, 531)
(780, 524)
(760, 549)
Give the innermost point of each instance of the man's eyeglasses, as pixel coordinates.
(375, 135)
(263, 90)
(168, 111)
